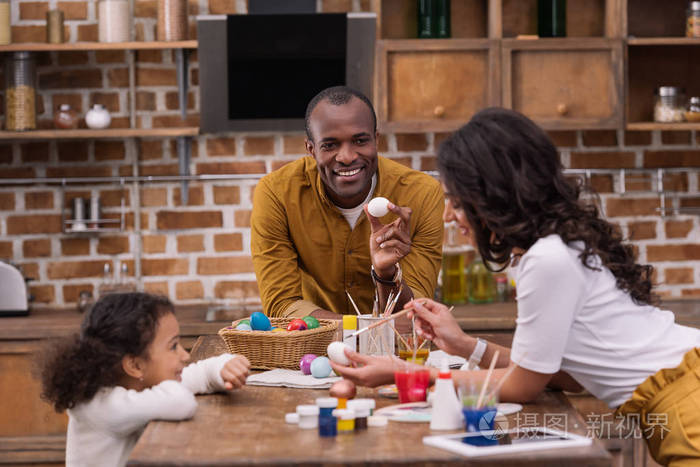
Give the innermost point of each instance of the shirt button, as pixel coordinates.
(349, 252)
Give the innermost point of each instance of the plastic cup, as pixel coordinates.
(481, 419)
(406, 353)
(412, 385)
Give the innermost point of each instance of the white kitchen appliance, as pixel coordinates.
(13, 292)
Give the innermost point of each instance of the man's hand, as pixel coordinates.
(389, 243)
(325, 314)
(235, 372)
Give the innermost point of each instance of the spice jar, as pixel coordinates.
(693, 112)
(693, 15)
(669, 106)
(172, 20)
(20, 92)
(54, 27)
(65, 117)
(114, 20)
(5, 30)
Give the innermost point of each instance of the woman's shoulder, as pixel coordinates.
(552, 253)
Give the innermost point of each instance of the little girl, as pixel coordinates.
(127, 367)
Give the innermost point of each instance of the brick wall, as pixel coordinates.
(200, 252)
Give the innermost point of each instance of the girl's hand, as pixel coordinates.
(367, 370)
(434, 321)
(235, 372)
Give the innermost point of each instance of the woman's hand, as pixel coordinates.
(235, 372)
(367, 370)
(434, 321)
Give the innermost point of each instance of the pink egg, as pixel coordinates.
(305, 363)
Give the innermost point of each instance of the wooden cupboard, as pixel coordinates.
(602, 75)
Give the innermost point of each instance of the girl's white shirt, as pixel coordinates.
(103, 431)
(576, 319)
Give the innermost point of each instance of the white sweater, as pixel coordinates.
(576, 319)
(103, 431)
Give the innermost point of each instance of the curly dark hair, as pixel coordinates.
(119, 324)
(506, 175)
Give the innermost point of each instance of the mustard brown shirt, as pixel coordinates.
(305, 254)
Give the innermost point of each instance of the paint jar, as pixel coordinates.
(114, 21)
(5, 28)
(346, 420)
(308, 416)
(326, 406)
(377, 341)
(361, 409)
(327, 427)
(327, 423)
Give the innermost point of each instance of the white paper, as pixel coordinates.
(281, 377)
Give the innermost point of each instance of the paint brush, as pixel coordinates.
(503, 380)
(379, 323)
(488, 378)
(353, 303)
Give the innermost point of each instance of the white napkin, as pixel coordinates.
(435, 359)
(291, 379)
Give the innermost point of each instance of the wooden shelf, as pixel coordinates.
(73, 46)
(663, 41)
(648, 126)
(97, 134)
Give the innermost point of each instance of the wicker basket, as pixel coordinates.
(267, 350)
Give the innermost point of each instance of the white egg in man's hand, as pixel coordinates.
(389, 243)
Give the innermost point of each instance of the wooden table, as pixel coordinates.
(247, 428)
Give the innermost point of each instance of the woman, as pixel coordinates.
(586, 314)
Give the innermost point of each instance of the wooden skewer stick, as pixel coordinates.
(379, 323)
(353, 303)
(495, 390)
(391, 301)
(403, 341)
(488, 378)
(422, 344)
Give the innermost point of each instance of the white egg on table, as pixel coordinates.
(336, 352)
(378, 207)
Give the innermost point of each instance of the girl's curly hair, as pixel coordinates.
(505, 173)
(74, 369)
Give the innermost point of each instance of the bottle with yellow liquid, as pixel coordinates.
(454, 283)
(482, 287)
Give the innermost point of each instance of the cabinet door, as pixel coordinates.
(564, 84)
(434, 85)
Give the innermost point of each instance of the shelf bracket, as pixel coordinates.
(182, 64)
(183, 143)
(183, 156)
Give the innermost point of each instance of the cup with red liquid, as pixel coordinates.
(412, 384)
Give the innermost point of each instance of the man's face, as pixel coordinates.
(345, 148)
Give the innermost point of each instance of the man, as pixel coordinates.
(311, 241)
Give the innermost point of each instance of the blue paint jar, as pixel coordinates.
(326, 406)
(327, 427)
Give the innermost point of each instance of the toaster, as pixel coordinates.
(13, 292)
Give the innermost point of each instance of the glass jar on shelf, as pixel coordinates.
(172, 20)
(692, 114)
(669, 105)
(5, 29)
(482, 287)
(693, 20)
(20, 92)
(114, 21)
(454, 280)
